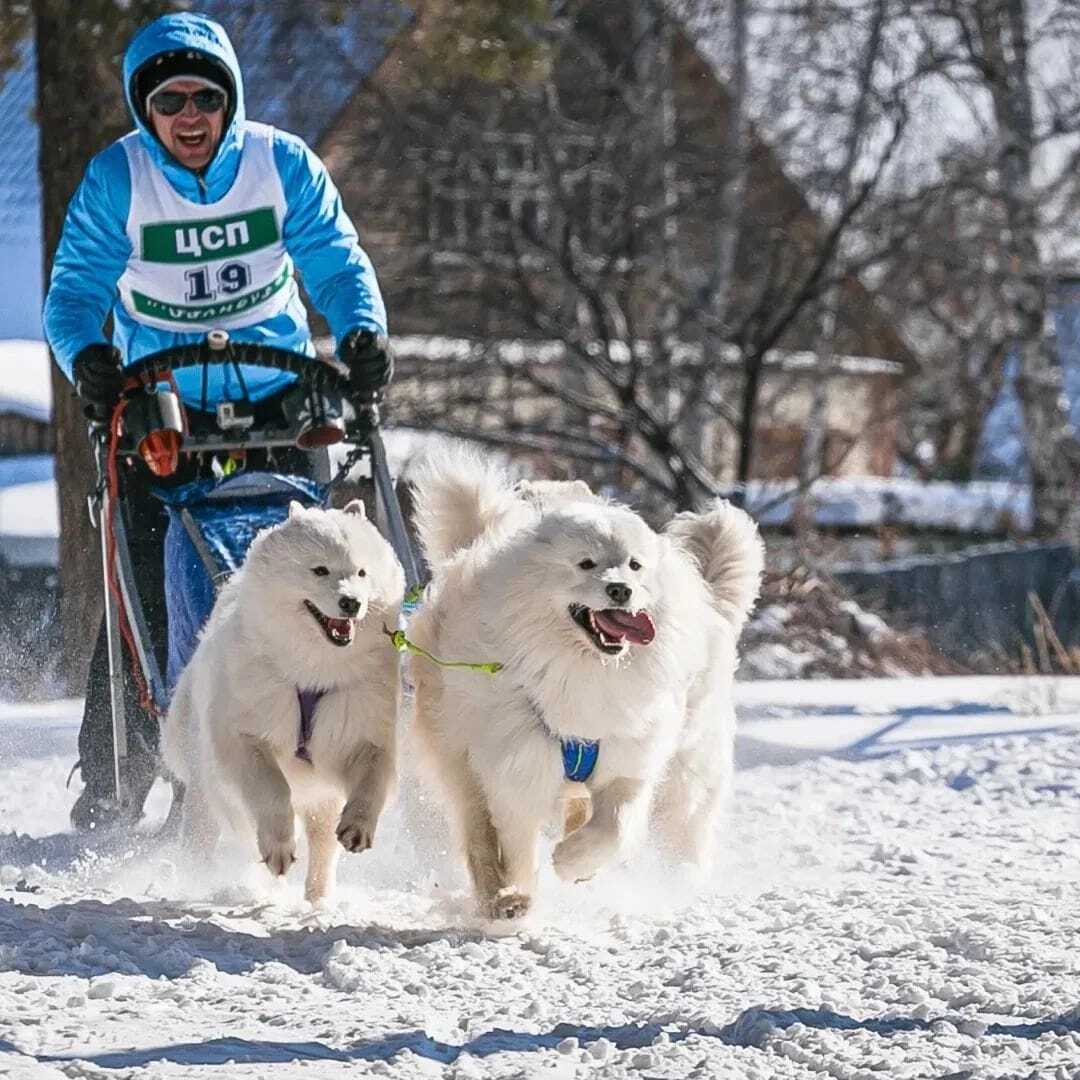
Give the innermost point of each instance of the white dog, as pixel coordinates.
(289, 704)
(615, 640)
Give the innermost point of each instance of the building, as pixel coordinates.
(416, 211)
(25, 398)
(427, 203)
(20, 203)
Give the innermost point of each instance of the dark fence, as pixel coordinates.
(977, 601)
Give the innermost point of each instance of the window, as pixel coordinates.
(497, 196)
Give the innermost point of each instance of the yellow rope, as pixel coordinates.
(403, 644)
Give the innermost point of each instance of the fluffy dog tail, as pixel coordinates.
(724, 542)
(458, 496)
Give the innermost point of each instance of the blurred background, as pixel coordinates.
(817, 256)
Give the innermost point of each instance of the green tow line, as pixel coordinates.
(403, 644)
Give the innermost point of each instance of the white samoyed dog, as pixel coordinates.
(289, 705)
(614, 640)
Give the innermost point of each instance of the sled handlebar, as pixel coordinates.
(332, 374)
(321, 389)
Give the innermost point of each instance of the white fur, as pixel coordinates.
(724, 543)
(233, 726)
(505, 574)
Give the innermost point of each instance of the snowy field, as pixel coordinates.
(897, 898)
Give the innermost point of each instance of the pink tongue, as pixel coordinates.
(341, 627)
(635, 626)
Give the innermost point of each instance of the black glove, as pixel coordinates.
(99, 379)
(367, 355)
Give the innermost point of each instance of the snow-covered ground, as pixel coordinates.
(25, 386)
(897, 897)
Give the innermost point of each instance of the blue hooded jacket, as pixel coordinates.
(94, 248)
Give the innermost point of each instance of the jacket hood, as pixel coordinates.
(187, 30)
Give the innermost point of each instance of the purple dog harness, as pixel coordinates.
(308, 701)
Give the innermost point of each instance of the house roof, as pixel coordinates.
(300, 69)
(20, 188)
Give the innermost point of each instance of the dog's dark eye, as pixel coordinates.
(320, 571)
(587, 564)
(634, 564)
(361, 573)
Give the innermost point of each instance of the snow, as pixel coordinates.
(439, 349)
(29, 510)
(25, 386)
(29, 513)
(988, 507)
(898, 907)
(29, 507)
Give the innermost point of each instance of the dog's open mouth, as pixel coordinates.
(612, 629)
(338, 631)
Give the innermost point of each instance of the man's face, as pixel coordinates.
(190, 136)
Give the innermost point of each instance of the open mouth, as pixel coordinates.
(338, 632)
(191, 140)
(612, 629)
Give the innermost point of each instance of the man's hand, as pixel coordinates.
(370, 362)
(99, 379)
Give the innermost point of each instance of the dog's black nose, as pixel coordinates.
(619, 592)
(349, 605)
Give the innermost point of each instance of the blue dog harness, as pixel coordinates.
(579, 758)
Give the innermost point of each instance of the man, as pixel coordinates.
(195, 221)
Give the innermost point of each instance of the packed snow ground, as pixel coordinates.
(897, 897)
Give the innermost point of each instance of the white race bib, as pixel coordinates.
(199, 266)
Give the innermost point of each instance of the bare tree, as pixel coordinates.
(620, 204)
(1006, 192)
(811, 459)
(77, 117)
(945, 287)
(14, 31)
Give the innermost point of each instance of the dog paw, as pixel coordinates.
(278, 856)
(507, 904)
(277, 846)
(356, 829)
(579, 856)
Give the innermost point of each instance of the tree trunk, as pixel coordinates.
(812, 462)
(80, 110)
(748, 407)
(735, 169)
(736, 166)
(653, 253)
(1051, 448)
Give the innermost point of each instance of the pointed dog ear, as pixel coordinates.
(296, 507)
(356, 506)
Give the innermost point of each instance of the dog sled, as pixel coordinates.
(213, 517)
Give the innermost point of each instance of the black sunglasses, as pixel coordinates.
(170, 102)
